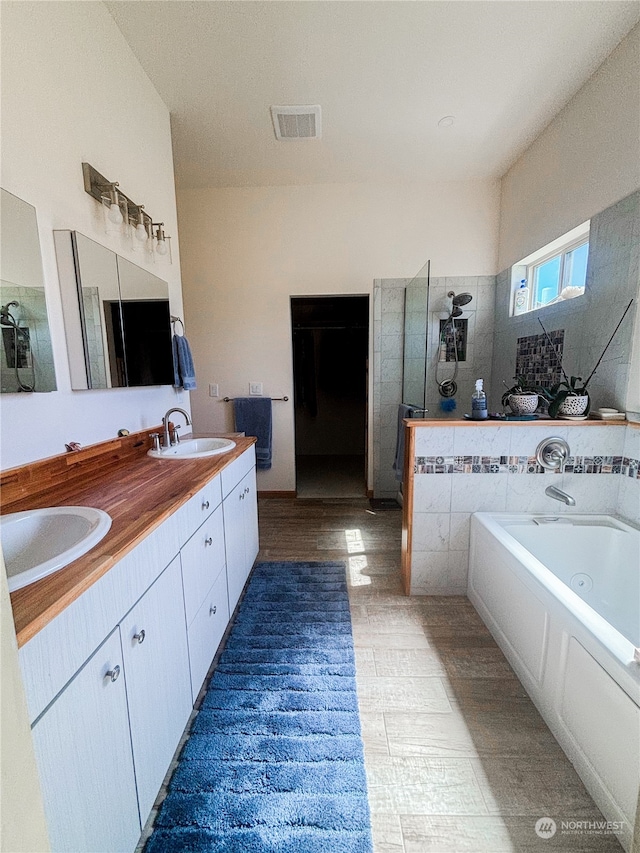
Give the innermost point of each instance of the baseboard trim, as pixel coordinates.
(276, 494)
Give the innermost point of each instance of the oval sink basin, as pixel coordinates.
(38, 542)
(195, 448)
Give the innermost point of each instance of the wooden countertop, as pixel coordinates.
(138, 495)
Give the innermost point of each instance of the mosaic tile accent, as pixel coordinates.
(525, 465)
(538, 361)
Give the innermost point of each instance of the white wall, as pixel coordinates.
(585, 160)
(73, 91)
(246, 251)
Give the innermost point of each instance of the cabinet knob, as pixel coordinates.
(212, 610)
(205, 504)
(113, 674)
(241, 496)
(140, 636)
(246, 491)
(208, 541)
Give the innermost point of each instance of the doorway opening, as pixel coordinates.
(330, 361)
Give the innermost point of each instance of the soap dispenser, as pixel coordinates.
(478, 402)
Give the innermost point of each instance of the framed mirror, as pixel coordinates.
(26, 354)
(116, 317)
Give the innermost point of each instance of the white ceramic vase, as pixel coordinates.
(523, 404)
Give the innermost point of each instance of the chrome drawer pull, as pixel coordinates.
(212, 610)
(113, 674)
(140, 636)
(208, 541)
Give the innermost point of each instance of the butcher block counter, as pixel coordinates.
(117, 476)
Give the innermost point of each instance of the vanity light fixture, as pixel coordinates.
(120, 208)
(141, 232)
(111, 198)
(161, 238)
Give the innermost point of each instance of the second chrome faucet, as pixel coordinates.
(166, 437)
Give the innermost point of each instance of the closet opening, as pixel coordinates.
(330, 361)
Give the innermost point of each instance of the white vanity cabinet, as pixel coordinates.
(156, 665)
(84, 759)
(108, 714)
(240, 506)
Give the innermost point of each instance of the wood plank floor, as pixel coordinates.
(458, 759)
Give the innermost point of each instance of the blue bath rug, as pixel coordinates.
(274, 762)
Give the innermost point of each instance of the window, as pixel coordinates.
(554, 273)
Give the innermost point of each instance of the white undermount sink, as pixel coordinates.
(38, 542)
(194, 448)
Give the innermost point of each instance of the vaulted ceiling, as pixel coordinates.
(384, 74)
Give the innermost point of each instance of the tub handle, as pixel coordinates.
(553, 453)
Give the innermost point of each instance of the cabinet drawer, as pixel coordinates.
(206, 631)
(202, 561)
(238, 469)
(191, 515)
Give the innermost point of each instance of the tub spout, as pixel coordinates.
(558, 495)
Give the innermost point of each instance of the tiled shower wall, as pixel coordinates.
(388, 344)
(613, 278)
(32, 312)
(465, 469)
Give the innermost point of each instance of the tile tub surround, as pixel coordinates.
(388, 350)
(462, 468)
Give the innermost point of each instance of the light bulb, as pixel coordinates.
(115, 214)
(161, 247)
(141, 232)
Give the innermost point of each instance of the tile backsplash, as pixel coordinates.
(462, 469)
(538, 358)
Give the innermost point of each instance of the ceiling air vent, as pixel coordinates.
(297, 122)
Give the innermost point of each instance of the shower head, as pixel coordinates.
(460, 299)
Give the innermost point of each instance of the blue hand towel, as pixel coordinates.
(253, 417)
(404, 411)
(183, 370)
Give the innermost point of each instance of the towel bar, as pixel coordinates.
(230, 399)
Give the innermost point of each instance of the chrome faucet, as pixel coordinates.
(166, 438)
(558, 495)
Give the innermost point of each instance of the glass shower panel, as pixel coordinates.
(416, 314)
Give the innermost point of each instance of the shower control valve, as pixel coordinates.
(553, 453)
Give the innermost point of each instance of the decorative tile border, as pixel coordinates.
(524, 465)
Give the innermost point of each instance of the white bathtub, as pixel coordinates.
(561, 596)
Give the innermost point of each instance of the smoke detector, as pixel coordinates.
(297, 122)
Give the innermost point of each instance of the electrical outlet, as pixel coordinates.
(255, 389)
(214, 391)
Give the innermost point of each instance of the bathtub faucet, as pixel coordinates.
(558, 495)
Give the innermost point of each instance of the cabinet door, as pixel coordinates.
(206, 631)
(84, 757)
(250, 506)
(202, 561)
(233, 509)
(154, 643)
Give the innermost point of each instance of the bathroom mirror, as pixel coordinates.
(26, 354)
(116, 316)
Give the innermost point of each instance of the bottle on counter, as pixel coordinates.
(478, 402)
